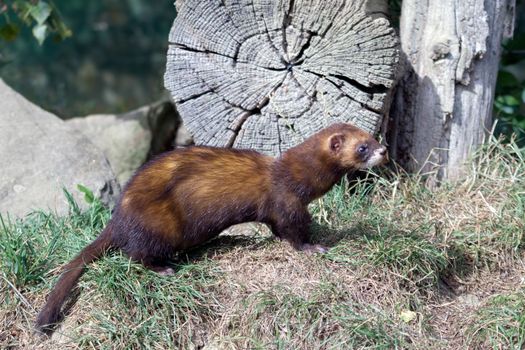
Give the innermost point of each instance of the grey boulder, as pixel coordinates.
(129, 139)
(40, 155)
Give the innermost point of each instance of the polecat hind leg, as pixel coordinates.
(157, 265)
(162, 270)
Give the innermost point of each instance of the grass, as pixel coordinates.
(409, 268)
(323, 320)
(500, 323)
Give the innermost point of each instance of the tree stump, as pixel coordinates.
(265, 74)
(443, 105)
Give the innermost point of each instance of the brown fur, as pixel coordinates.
(185, 197)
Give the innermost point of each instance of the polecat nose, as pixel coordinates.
(382, 151)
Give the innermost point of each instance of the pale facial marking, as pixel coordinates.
(376, 158)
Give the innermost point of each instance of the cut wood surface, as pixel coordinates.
(265, 74)
(442, 110)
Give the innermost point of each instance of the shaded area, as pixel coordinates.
(114, 61)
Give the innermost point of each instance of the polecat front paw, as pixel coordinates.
(313, 248)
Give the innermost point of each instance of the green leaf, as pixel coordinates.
(73, 206)
(9, 32)
(407, 316)
(505, 109)
(510, 100)
(89, 197)
(523, 96)
(505, 104)
(61, 28)
(40, 33)
(40, 12)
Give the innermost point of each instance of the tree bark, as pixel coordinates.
(265, 74)
(442, 109)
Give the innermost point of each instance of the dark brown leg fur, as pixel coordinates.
(159, 266)
(153, 263)
(297, 233)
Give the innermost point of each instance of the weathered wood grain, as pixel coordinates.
(442, 110)
(265, 74)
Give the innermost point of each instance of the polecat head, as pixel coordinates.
(355, 149)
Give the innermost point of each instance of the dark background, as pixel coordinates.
(113, 62)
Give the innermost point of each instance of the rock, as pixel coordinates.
(248, 229)
(469, 300)
(40, 155)
(183, 137)
(129, 139)
(124, 139)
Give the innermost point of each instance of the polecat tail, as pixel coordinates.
(50, 314)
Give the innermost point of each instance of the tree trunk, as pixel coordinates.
(442, 109)
(265, 74)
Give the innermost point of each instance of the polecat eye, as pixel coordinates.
(362, 149)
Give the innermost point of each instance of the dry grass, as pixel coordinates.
(410, 268)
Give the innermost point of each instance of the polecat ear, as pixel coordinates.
(336, 142)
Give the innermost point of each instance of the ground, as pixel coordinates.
(409, 268)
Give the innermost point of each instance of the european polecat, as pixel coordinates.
(185, 197)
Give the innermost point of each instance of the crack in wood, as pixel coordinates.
(234, 59)
(279, 139)
(233, 69)
(311, 97)
(249, 113)
(372, 89)
(287, 19)
(297, 61)
(191, 49)
(194, 96)
(267, 32)
(362, 104)
(244, 117)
